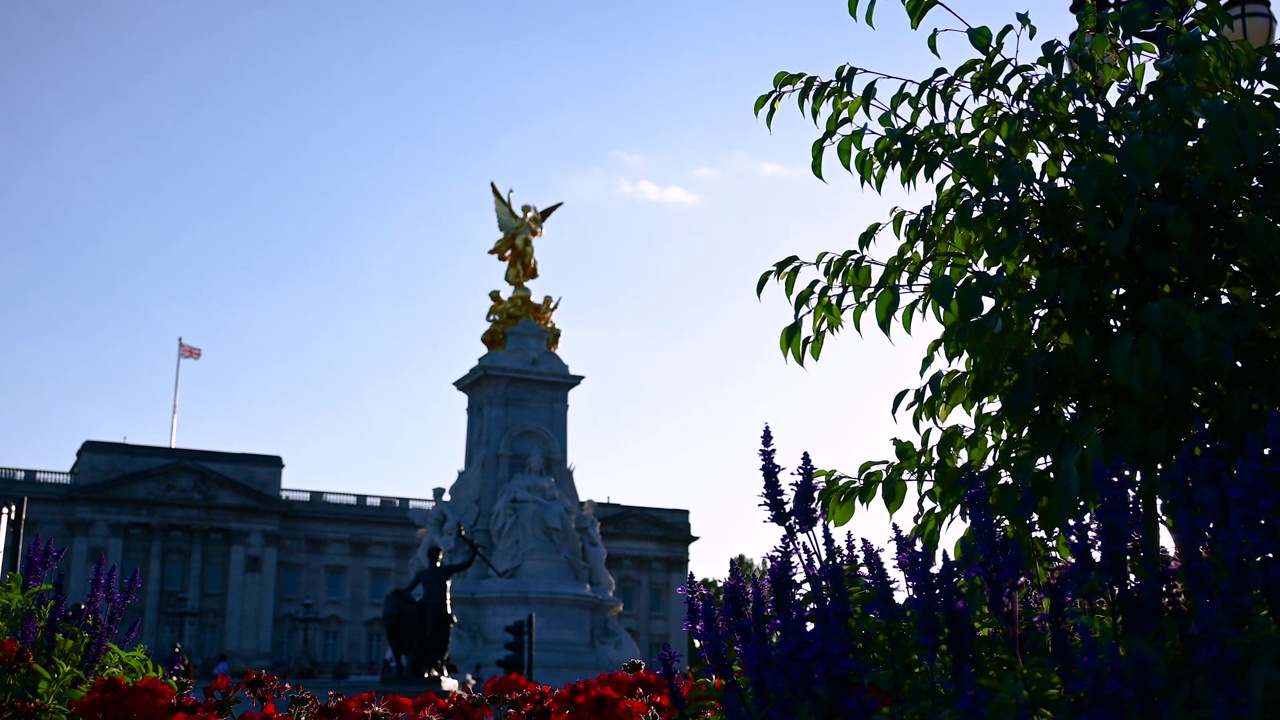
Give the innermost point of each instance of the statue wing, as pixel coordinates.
(544, 214)
(508, 221)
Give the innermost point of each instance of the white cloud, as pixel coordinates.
(767, 169)
(628, 158)
(650, 191)
(706, 172)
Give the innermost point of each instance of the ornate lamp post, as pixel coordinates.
(179, 608)
(1251, 20)
(306, 664)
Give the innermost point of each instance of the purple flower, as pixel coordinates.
(804, 499)
(29, 628)
(772, 472)
(668, 664)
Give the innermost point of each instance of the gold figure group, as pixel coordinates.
(515, 248)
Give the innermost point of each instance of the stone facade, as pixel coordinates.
(233, 562)
(648, 558)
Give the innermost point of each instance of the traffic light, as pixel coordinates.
(514, 662)
(519, 659)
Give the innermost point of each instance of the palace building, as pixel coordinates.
(234, 562)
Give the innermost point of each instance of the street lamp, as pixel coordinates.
(179, 609)
(306, 665)
(1251, 20)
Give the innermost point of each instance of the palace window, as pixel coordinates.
(284, 641)
(375, 646)
(655, 647)
(335, 583)
(213, 578)
(289, 581)
(329, 646)
(657, 601)
(175, 572)
(377, 585)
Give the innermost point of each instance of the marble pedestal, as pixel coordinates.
(442, 686)
(577, 634)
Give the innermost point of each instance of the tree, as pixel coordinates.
(1099, 250)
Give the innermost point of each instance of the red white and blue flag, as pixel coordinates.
(187, 351)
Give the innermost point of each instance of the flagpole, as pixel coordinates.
(173, 424)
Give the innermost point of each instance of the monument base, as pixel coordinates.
(410, 688)
(577, 634)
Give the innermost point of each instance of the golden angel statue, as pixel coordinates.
(515, 247)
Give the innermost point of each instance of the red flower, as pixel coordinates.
(507, 685)
(219, 685)
(263, 686)
(15, 655)
(368, 706)
(614, 696)
(25, 710)
(267, 713)
(116, 699)
(429, 703)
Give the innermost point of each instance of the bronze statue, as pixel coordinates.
(429, 621)
(515, 248)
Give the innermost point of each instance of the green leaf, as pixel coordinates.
(761, 102)
(764, 280)
(871, 8)
(980, 38)
(789, 341)
(868, 94)
(789, 284)
(819, 147)
(894, 491)
(933, 48)
(844, 150)
(841, 512)
(886, 305)
(897, 400)
(815, 350)
(942, 288)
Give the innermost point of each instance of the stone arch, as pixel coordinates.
(514, 448)
(516, 444)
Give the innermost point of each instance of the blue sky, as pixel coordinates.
(301, 190)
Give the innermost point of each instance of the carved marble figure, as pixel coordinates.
(530, 516)
(613, 646)
(440, 527)
(593, 551)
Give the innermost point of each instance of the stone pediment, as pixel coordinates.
(632, 523)
(183, 483)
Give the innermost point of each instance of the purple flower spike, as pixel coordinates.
(772, 495)
(804, 499)
(132, 585)
(29, 628)
(668, 664)
(34, 570)
(131, 633)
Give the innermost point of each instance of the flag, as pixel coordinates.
(187, 351)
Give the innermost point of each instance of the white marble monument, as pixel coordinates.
(541, 548)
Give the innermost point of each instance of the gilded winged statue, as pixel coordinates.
(515, 247)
